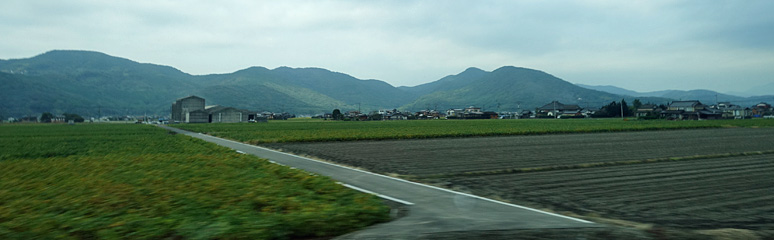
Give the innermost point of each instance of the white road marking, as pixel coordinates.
(406, 181)
(404, 202)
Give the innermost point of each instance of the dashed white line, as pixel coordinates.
(404, 202)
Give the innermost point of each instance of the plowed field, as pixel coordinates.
(697, 179)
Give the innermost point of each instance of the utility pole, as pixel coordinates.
(622, 118)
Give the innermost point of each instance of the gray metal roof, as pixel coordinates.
(685, 103)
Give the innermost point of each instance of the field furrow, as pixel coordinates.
(718, 178)
(432, 156)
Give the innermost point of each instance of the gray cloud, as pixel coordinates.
(643, 45)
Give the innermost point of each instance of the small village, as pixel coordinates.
(192, 109)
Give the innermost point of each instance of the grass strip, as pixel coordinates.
(326, 131)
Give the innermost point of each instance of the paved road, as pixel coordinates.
(432, 210)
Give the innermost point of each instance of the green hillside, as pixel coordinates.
(89, 83)
(301, 90)
(93, 83)
(505, 89)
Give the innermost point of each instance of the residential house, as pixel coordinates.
(393, 114)
(588, 112)
(355, 116)
(690, 110)
(472, 109)
(428, 114)
(526, 114)
(454, 113)
(489, 115)
(396, 116)
(648, 111)
(556, 109)
(58, 119)
(470, 113)
(761, 109)
(733, 111)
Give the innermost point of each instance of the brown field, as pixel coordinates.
(691, 179)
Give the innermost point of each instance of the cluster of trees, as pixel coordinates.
(337, 114)
(614, 109)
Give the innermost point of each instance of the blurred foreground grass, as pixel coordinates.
(105, 181)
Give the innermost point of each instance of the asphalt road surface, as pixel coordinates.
(431, 210)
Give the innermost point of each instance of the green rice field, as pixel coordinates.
(127, 181)
(322, 131)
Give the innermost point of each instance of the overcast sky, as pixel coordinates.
(650, 45)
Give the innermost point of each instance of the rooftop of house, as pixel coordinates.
(192, 96)
(556, 105)
(691, 103)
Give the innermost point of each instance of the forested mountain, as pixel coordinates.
(87, 83)
(90, 83)
(93, 83)
(505, 89)
(299, 90)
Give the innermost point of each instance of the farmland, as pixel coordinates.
(482, 154)
(141, 182)
(685, 179)
(322, 131)
(729, 192)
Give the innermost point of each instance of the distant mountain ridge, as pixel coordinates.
(702, 95)
(93, 83)
(504, 89)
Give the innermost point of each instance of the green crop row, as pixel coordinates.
(140, 182)
(319, 131)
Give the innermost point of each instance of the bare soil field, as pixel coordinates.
(734, 192)
(687, 179)
(459, 155)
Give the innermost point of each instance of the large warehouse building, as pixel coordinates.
(192, 109)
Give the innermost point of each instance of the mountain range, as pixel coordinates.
(96, 84)
(702, 95)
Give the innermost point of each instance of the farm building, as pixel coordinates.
(221, 114)
(182, 108)
(192, 109)
(197, 116)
